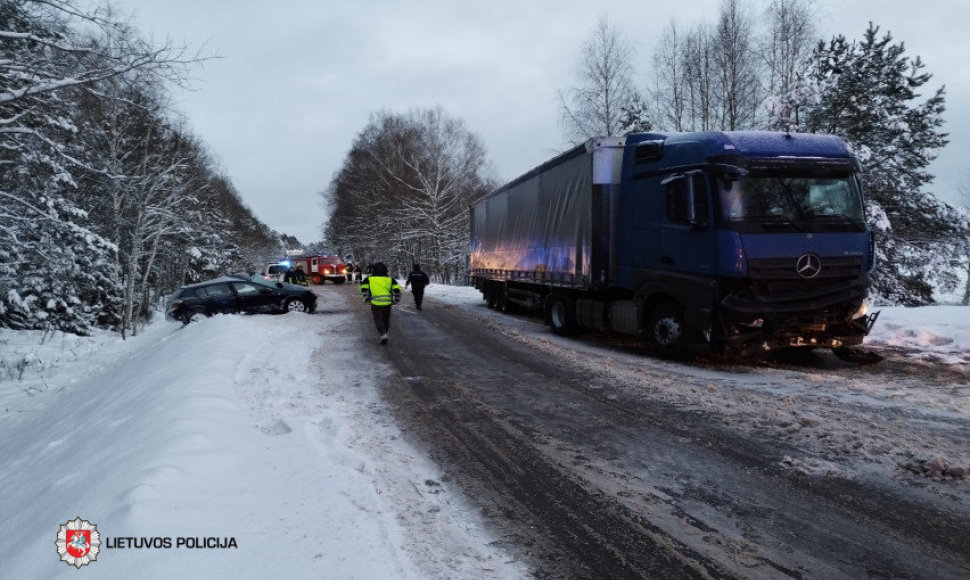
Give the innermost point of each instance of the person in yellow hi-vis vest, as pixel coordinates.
(382, 292)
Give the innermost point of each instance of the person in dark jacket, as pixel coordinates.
(417, 280)
(381, 292)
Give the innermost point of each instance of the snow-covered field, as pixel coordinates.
(270, 431)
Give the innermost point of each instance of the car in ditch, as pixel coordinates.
(235, 294)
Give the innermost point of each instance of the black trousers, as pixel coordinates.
(418, 292)
(382, 318)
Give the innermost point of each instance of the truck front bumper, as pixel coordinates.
(832, 317)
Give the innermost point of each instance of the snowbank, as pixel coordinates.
(267, 431)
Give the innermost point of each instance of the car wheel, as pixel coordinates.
(667, 330)
(196, 317)
(294, 305)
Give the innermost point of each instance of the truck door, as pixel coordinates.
(686, 237)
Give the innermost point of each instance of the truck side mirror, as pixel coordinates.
(697, 201)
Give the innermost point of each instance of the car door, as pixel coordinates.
(220, 299)
(255, 297)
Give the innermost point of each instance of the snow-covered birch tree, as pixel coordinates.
(403, 194)
(604, 100)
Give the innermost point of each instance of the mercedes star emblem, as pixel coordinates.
(808, 266)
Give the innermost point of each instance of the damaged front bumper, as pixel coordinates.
(748, 326)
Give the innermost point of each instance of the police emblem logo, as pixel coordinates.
(78, 542)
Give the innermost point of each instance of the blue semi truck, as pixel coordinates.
(741, 241)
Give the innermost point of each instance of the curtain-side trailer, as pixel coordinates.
(739, 240)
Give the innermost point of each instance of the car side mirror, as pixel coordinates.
(279, 284)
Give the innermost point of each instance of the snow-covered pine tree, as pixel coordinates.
(55, 271)
(868, 92)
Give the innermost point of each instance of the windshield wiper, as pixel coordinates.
(841, 216)
(780, 219)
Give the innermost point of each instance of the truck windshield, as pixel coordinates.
(814, 204)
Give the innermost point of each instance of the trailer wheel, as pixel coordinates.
(667, 330)
(491, 295)
(561, 315)
(503, 303)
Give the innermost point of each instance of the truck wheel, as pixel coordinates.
(561, 315)
(499, 300)
(317, 280)
(504, 305)
(667, 330)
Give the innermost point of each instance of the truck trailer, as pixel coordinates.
(740, 241)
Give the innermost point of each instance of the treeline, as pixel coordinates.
(107, 199)
(403, 192)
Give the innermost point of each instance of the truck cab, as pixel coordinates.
(762, 234)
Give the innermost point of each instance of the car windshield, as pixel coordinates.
(801, 203)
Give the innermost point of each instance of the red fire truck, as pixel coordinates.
(321, 268)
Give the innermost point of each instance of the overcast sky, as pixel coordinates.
(297, 80)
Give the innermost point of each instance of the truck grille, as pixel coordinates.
(783, 269)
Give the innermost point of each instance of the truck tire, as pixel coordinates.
(561, 315)
(667, 330)
(500, 299)
(490, 296)
(504, 305)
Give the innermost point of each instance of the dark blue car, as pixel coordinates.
(237, 294)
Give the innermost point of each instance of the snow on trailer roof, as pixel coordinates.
(754, 143)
